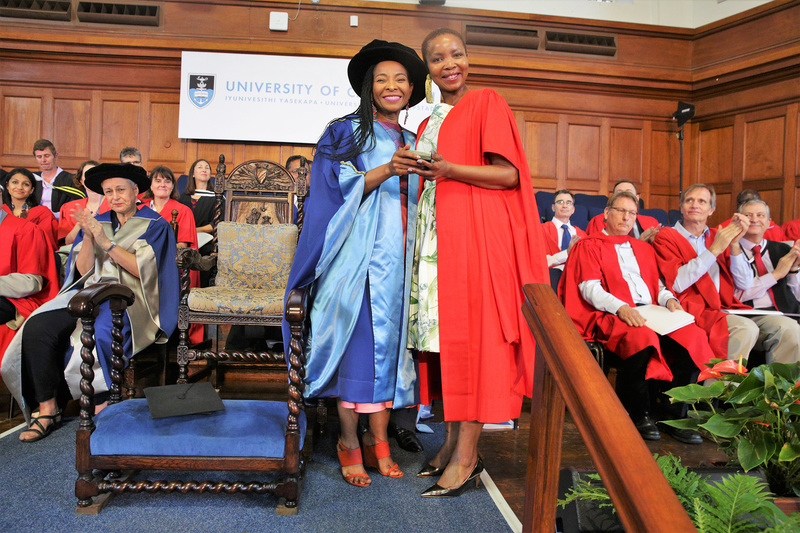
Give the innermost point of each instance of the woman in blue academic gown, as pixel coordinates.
(354, 256)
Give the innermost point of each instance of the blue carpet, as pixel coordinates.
(37, 482)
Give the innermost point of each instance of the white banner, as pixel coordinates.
(242, 97)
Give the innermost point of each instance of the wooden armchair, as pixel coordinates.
(253, 252)
(248, 436)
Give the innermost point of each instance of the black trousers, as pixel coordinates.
(7, 310)
(45, 341)
(639, 395)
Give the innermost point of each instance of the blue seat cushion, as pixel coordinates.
(246, 428)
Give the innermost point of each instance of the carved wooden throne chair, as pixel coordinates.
(249, 436)
(254, 248)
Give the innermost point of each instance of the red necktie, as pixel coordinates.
(762, 271)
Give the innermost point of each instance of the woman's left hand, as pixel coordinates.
(90, 226)
(438, 168)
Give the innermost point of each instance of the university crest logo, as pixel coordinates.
(201, 89)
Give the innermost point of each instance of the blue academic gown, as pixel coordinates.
(352, 256)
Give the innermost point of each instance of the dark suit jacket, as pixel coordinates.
(63, 188)
(784, 297)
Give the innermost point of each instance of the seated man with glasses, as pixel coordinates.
(609, 274)
(644, 228)
(560, 234)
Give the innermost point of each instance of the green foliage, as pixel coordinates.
(738, 504)
(754, 417)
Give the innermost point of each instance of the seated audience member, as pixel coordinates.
(134, 247)
(162, 197)
(93, 203)
(791, 230)
(703, 266)
(131, 155)
(58, 186)
(774, 232)
(776, 286)
(606, 277)
(200, 199)
(645, 227)
(560, 234)
(20, 199)
(27, 274)
(294, 162)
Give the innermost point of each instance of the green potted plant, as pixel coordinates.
(738, 503)
(753, 416)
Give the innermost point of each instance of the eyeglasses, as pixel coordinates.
(564, 202)
(621, 211)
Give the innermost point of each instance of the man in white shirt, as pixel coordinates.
(776, 286)
(608, 276)
(703, 267)
(560, 234)
(58, 185)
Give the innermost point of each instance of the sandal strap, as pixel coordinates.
(380, 448)
(348, 456)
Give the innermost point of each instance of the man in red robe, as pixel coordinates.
(703, 266)
(27, 274)
(773, 231)
(606, 277)
(560, 234)
(644, 228)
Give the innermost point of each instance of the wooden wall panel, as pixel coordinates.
(763, 148)
(583, 153)
(165, 146)
(120, 127)
(625, 156)
(664, 175)
(540, 138)
(715, 149)
(72, 127)
(22, 125)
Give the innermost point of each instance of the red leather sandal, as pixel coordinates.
(351, 457)
(377, 451)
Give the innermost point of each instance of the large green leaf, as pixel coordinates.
(693, 393)
(683, 423)
(749, 389)
(749, 456)
(721, 426)
(789, 452)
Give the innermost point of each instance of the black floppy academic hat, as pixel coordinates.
(95, 176)
(377, 51)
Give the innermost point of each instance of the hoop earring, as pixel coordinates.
(428, 89)
(406, 120)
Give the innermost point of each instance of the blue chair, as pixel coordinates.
(591, 200)
(580, 218)
(544, 203)
(248, 436)
(658, 214)
(674, 216)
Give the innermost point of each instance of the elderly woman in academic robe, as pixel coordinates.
(133, 247)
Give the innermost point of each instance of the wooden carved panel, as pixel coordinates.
(665, 161)
(120, 121)
(625, 155)
(583, 153)
(22, 124)
(72, 127)
(715, 158)
(774, 199)
(763, 148)
(165, 145)
(541, 146)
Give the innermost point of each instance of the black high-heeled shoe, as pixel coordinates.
(437, 491)
(430, 471)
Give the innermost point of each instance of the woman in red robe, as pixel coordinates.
(19, 199)
(162, 197)
(479, 240)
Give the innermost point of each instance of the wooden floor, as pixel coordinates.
(505, 451)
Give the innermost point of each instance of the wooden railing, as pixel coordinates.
(566, 374)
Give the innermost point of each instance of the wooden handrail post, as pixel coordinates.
(567, 374)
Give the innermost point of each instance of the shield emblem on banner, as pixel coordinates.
(201, 89)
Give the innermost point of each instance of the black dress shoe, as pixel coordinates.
(686, 436)
(430, 471)
(647, 428)
(406, 438)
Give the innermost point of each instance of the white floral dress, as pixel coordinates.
(423, 311)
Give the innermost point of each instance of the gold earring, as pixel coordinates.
(428, 89)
